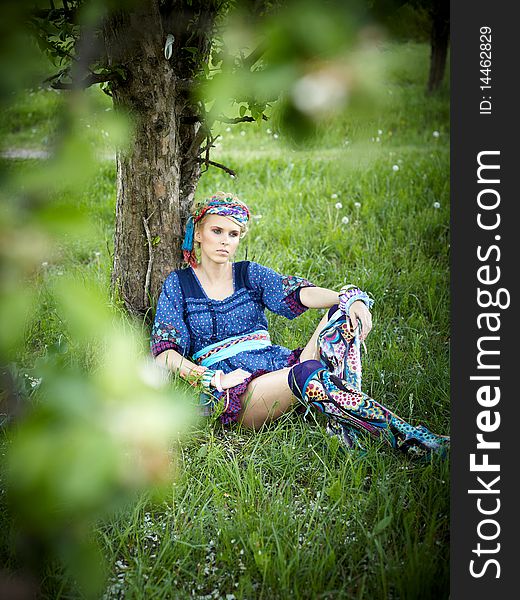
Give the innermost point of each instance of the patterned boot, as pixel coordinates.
(339, 350)
(315, 386)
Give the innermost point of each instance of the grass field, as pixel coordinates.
(283, 513)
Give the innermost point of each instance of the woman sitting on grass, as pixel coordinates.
(210, 327)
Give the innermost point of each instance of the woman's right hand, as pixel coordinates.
(236, 377)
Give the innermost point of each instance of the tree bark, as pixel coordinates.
(157, 173)
(440, 36)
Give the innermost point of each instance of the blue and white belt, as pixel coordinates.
(231, 347)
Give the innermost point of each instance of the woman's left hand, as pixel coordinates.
(233, 378)
(359, 313)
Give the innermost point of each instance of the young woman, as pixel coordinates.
(210, 327)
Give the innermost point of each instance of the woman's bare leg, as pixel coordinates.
(310, 352)
(266, 398)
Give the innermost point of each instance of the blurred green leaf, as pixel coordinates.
(16, 305)
(84, 308)
(382, 525)
(334, 492)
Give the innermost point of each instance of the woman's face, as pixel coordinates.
(218, 237)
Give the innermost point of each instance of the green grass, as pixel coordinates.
(283, 512)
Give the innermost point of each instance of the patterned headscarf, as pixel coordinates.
(225, 205)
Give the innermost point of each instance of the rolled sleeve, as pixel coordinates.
(279, 293)
(169, 331)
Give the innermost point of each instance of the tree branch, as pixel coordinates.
(57, 75)
(150, 258)
(44, 13)
(229, 171)
(239, 119)
(192, 119)
(255, 55)
(91, 79)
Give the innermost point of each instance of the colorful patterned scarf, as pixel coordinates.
(225, 206)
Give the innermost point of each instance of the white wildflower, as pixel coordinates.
(334, 196)
(357, 204)
(395, 168)
(275, 135)
(338, 205)
(35, 382)
(436, 134)
(436, 205)
(344, 220)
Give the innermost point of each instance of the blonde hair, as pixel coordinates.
(198, 206)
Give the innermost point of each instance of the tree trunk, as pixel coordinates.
(440, 36)
(158, 172)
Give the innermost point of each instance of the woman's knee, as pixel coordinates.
(300, 374)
